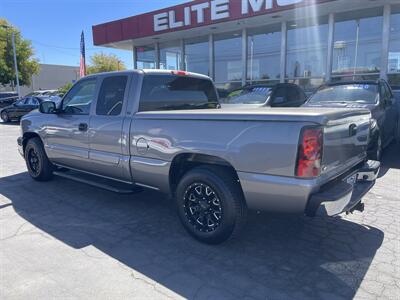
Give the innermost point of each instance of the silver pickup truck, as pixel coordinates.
(165, 130)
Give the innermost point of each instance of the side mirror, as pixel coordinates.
(47, 107)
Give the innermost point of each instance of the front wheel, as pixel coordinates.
(210, 204)
(4, 117)
(39, 166)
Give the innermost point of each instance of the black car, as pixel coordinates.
(376, 96)
(274, 95)
(20, 108)
(7, 98)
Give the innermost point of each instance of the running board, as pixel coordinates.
(105, 184)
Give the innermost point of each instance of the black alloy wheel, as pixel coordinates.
(202, 207)
(210, 204)
(37, 162)
(33, 161)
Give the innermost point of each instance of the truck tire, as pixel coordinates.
(210, 204)
(4, 117)
(39, 166)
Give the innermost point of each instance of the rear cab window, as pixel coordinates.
(174, 92)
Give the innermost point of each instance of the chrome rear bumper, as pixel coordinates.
(344, 195)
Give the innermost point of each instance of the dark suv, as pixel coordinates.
(376, 96)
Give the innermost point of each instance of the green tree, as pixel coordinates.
(100, 62)
(65, 88)
(27, 65)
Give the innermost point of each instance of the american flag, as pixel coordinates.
(82, 67)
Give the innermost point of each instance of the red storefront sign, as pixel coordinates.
(189, 15)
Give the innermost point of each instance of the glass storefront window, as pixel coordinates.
(228, 57)
(307, 47)
(170, 56)
(263, 53)
(358, 43)
(394, 43)
(197, 55)
(146, 57)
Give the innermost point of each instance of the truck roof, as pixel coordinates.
(153, 72)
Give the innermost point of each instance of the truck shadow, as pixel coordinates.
(390, 159)
(278, 257)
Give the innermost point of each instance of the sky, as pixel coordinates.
(55, 26)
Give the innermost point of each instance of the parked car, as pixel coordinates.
(165, 130)
(275, 95)
(7, 98)
(20, 108)
(376, 96)
(43, 93)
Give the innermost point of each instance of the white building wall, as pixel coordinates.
(51, 77)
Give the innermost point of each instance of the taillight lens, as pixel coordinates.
(309, 153)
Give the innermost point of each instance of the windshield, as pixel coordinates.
(254, 95)
(360, 93)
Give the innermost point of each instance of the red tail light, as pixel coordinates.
(309, 153)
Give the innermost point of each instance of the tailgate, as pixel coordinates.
(346, 139)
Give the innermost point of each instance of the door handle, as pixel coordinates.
(83, 127)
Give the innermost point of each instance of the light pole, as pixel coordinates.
(15, 58)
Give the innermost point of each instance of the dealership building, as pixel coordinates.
(239, 42)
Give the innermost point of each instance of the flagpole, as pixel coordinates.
(82, 63)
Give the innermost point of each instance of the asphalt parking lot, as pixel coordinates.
(63, 239)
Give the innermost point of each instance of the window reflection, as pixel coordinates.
(197, 55)
(394, 44)
(228, 57)
(146, 56)
(307, 47)
(263, 58)
(170, 56)
(357, 45)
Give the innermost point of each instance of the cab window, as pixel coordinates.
(111, 96)
(80, 97)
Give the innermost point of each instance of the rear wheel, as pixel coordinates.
(4, 117)
(39, 166)
(210, 204)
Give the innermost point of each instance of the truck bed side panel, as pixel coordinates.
(249, 146)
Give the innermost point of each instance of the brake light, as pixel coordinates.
(180, 73)
(309, 152)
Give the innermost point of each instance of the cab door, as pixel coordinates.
(66, 133)
(108, 145)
